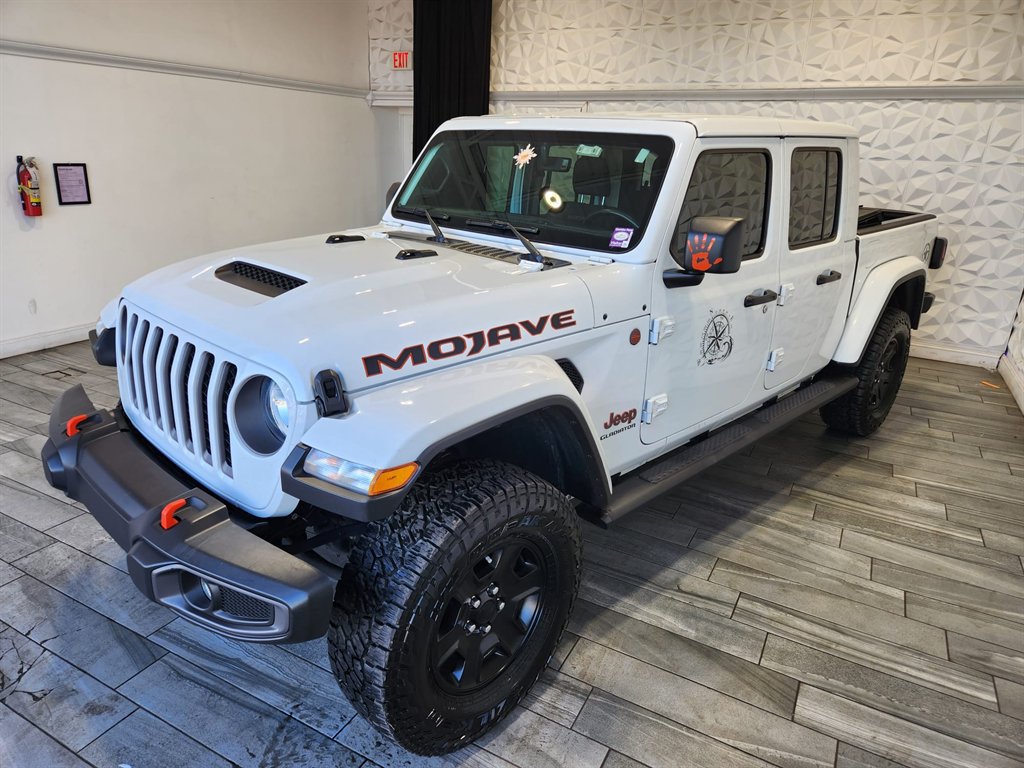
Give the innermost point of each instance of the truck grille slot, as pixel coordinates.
(180, 389)
(244, 606)
(256, 278)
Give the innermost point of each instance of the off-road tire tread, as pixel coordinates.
(395, 555)
(851, 413)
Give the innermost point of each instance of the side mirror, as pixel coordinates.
(392, 191)
(714, 244)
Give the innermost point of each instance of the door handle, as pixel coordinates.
(829, 277)
(766, 295)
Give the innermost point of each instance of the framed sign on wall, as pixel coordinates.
(72, 183)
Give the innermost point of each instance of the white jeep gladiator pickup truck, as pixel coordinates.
(389, 435)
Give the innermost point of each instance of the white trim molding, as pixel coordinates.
(397, 99)
(964, 355)
(561, 99)
(97, 58)
(37, 341)
(962, 91)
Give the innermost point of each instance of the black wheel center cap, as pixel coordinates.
(486, 612)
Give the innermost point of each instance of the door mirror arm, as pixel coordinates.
(680, 278)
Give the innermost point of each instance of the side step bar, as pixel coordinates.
(645, 484)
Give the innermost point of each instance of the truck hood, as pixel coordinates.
(363, 312)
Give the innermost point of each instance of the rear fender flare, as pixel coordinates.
(874, 297)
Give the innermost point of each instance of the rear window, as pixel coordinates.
(814, 196)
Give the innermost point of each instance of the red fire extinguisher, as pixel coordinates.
(28, 186)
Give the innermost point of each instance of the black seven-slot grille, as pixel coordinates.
(180, 389)
(259, 279)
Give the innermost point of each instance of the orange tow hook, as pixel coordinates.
(72, 426)
(167, 518)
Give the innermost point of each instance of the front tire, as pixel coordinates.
(863, 409)
(448, 610)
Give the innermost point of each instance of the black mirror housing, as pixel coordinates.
(714, 244)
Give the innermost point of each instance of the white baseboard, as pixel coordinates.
(1013, 375)
(37, 341)
(980, 358)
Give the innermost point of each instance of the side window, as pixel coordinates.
(729, 183)
(814, 196)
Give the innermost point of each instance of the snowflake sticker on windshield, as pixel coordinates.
(621, 237)
(525, 155)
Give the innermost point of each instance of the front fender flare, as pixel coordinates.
(873, 298)
(416, 419)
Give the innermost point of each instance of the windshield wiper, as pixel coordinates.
(533, 254)
(438, 234)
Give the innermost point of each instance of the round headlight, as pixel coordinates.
(276, 405)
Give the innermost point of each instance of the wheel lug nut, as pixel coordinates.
(474, 602)
(501, 605)
(471, 628)
(492, 590)
(486, 629)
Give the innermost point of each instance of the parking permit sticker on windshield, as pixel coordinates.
(621, 237)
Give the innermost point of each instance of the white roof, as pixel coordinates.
(705, 125)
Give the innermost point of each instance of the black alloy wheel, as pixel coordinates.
(489, 613)
(883, 391)
(880, 372)
(448, 610)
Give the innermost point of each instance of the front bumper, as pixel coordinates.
(203, 565)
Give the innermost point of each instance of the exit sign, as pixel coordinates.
(401, 60)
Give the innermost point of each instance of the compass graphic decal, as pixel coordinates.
(716, 343)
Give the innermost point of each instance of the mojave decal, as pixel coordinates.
(468, 344)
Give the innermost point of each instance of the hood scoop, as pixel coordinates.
(258, 279)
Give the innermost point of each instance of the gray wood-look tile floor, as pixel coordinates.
(816, 601)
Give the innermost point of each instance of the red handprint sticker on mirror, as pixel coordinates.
(701, 246)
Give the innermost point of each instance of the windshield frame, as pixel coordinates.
(553, 231)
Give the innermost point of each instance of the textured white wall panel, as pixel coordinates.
(390, 30)
(960, 157)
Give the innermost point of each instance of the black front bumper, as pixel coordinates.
(203, 565)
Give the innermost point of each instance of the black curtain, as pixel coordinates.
(451, 63)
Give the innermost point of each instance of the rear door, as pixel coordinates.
(712, 338)
(817, 259)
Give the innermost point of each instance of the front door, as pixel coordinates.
(817, 261)
(709, 361)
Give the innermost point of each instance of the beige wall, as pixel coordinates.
(182, 159)
(323, 41)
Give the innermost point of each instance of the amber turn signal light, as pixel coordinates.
(392, 479)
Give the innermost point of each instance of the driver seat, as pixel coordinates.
(591, 181)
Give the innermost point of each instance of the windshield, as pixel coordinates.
(588, 190)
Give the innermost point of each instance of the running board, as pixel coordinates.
(645, 484)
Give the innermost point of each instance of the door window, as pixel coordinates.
(813, 196)
(728, 183)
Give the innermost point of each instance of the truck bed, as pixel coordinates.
(871, 220)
